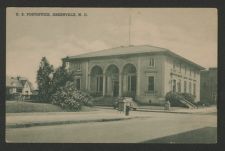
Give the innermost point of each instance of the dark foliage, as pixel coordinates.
(43, 80)
(60, 77)
(173, 98)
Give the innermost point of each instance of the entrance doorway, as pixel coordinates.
(115, 88)
(112, 81)
(78, 84)
(96, 83)
(131, 85)
(129, 82)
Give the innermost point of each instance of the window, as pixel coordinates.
(194, 73)
(78, 83)
(174, 85)
(185, 86)
(190, 71)
(14, 90)
(152, 62)
(194, 89)
(67, 65)
(78, 66)
(190, 87)
(174, 65)
(19, 90)
(179, 86)
(185, 70)
(180, 67)
(151, 83)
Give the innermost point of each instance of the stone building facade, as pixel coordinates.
(144, 72)
(208, 91)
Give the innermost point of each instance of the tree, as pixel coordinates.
(44, 80)
(60, 77)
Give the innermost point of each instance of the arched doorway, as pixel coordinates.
(112, 81)
(129, 80)
(96, 82)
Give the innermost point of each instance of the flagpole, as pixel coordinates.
(129, 24)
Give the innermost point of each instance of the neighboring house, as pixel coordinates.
(18, 85)
(34, 95)
(209, 85)
(144, 72)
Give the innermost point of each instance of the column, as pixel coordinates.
(138, 76)
(87, 76)
(104, 78)
(120, 84)
(89, 82)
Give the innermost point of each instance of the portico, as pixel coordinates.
(112, 80)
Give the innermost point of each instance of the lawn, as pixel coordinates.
(20, 107)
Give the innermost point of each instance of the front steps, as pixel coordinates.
(188, 104)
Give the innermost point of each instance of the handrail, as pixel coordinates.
(189, 104)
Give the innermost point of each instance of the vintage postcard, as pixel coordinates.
(111, 75)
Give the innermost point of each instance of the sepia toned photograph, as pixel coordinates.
(111, 75)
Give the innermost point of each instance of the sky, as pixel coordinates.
(189, 32)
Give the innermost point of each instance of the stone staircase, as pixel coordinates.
(188, 104)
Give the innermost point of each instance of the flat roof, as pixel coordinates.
(130, 50)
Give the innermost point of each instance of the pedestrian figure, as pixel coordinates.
(127, 109)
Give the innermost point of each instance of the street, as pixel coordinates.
(136, 130)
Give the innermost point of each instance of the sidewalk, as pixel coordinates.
(19, 120)
(200, 110)
(103, 114)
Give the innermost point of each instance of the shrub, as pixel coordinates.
(174, 98)
(69, 98)
(10, 97)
